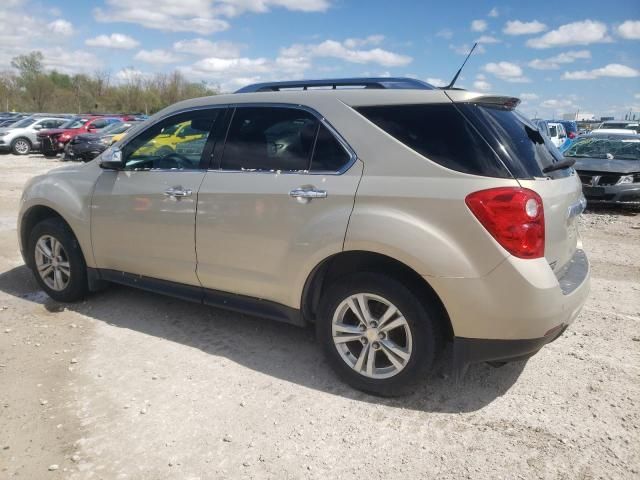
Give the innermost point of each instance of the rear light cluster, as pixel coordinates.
(514, 216)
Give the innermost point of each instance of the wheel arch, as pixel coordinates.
(347, 262)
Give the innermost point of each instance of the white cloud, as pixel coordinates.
(493, 13)
(479, 25)
(555, 104)
(553, 63)
(362, 42)
(576, 33)
(465, 48)
(115, 40)
(156, 56)
(507, 71)
(61, 27)
(203, 17)
(70, 61)
(206, 48)
(629, 30)
(335, 49)
(481, 84)
(611, 70)
(445, 33)
(436, 82)
(636, 95)
(488, 39)
(516, 27)
(528, 96)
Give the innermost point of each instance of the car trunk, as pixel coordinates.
(530, 156)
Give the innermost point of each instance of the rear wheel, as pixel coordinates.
(377, 335)
(21, 146)
(57, 261)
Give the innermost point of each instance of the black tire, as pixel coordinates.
(21, 146)
(422, 318)
(76, 289)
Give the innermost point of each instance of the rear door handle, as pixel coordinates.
(178, 192)
(307, 193)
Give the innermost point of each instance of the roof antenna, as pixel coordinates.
(461, 67)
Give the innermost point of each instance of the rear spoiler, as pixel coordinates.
(496, 101)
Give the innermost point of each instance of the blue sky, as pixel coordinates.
(558, 57)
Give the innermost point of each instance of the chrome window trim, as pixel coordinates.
(323, 121)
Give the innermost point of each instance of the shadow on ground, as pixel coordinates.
(282, 351)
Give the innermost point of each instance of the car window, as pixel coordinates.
(269, 139)
(101, 123)
(441, 134)
(328, 155)
(162, 147)
(553, 131)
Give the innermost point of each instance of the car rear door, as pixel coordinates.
(276, 201)
(143, 216)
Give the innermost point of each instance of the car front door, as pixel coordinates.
(275, 203)
(143, 216)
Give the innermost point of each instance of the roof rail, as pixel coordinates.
(334, 83)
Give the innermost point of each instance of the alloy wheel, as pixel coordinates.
(22, 147)
(52, 263)
(372, 336)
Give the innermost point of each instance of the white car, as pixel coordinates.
(21, 137)
(557, 133)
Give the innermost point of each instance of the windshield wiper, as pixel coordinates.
(566, 163)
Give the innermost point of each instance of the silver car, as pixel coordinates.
(398, 218)
(21, 137)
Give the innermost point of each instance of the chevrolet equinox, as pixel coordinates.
(395, 216)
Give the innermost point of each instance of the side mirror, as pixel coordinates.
(111, 159)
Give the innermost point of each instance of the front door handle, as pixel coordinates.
(307, 193)
(178, 192)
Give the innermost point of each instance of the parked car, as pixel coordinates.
(621, 124)
(20, 138)
(8, 121)
(397, 218)
(53, 141)
(570, 127)
(554, 131)
(88, 146)
(609, 167)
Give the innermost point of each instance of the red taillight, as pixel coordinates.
(513, 216)
(572, 135)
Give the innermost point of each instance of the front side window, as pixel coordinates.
(176, 143)
(269, 139)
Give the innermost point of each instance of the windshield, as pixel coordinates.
(611, 148)
(74, 123)
(24, 123)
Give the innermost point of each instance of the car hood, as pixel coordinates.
(88, 137)
(606, 165)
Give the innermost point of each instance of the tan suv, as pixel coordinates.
(396, 217)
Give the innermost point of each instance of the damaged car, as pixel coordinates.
(609, 167)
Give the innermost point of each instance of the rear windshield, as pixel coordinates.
(523, 148)
(440, 133)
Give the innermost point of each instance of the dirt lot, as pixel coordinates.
(133, 385)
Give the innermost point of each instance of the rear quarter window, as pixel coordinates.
(441, 134)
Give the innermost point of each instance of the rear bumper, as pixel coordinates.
(513, 311)
(613, 194)
(467, 351)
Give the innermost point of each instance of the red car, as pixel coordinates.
(53, 141)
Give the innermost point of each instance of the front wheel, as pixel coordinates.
(57, 261)
(377, 335)
(21, 146)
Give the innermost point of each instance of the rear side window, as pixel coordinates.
(270, 138)
(521, 146)
(329, 155)
(441, 134)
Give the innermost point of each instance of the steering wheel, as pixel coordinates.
(180, 160)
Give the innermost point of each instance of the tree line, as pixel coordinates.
(30, 88)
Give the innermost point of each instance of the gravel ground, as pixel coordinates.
(133, 385)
